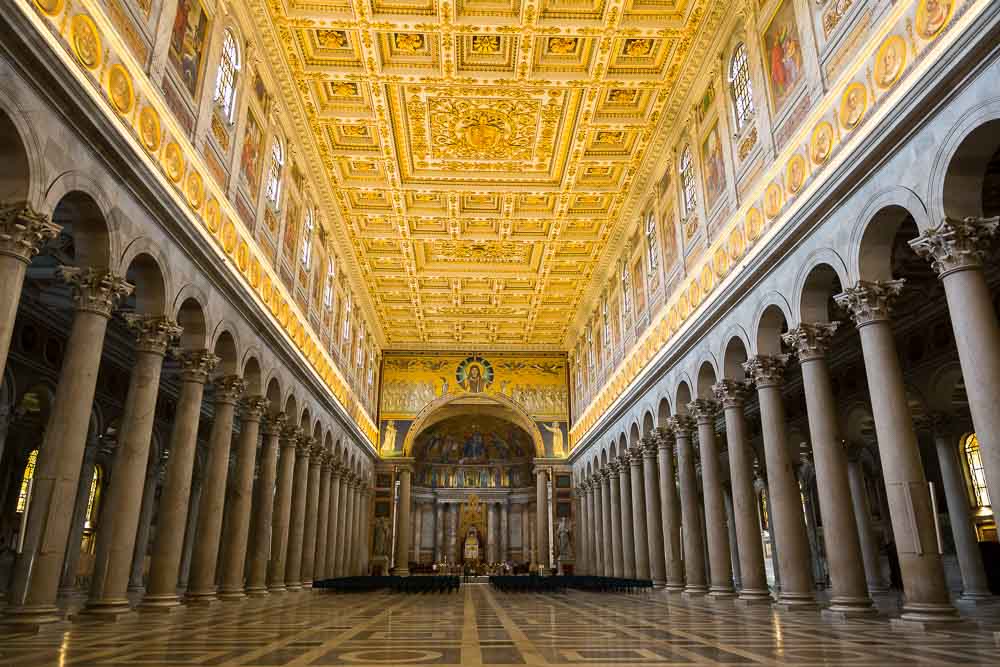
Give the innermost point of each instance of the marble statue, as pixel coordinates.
(564, 537)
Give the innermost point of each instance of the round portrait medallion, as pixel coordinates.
(853, 105)
(753, 225)
(795, 174)
(86, 42)
(721, 262)
(149, 129)
(890, 61)
(212, 216)
(736, 244)
(773, 200)
(821, 144)
(707, 281)
(173, 161)
(229, 237)
(933, 16)
(243, 256)
(120, 89)
(195, 189)
(50, 7)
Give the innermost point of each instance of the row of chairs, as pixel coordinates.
(556, 584)
(393, 583)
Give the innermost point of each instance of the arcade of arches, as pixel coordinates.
(701, 294)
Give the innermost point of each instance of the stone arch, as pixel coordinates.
(190, 315)
(20, 167)
(305, 420)
(771, 321)
(144, 271)
(633, 435)
(873, 237)
(683, 397)
(75, 192)
(516, 414)
(941, 388)
(291, 409)
(815, 287)
(648, 423)
(273, 395)
(252, 376)
(962, 162)
(663, 412)
(225, 348)
(706, 379)
(734, 357)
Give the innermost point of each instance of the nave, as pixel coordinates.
(479, 626)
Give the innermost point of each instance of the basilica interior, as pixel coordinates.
(499, 332)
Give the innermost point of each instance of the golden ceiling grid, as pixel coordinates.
(481, 152)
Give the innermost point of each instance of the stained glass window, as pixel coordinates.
(307, 239)
(687, 182)
(273, 192)
(977, 475)
(651, 253)
(328, 290)
(739, 77)
(606, 323)
(29, 474)
(626, 289)
(225, 82)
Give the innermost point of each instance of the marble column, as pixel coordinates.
(734, 557)
(260, 549)
(957, 249)
(438, 532)
(975, 587)
(346, 479)
(694, 537)
(491, 532)
(359, 499)
(615, 529)
(352, 499)
(593, 568)
(403, 538)
(205, 557)
(671, 509)
(323, 517)
(297, 518)
(753, 577)
(640, 537)
(237, 528)
(627, 518)
(582, 533)
(542, 518)
(116, 539)
(282, 513)
(418, 529)
(71, 561)
(653, 512)
(787, 522)
(453, 532)
(719, 557)
(316, 460)
(843, 547)
(333, 523)
(168, 545)
(37, 572)
(504, 532)
(910, 508)
(863, 516)
(23, 232)
(137, 574)
(602, 538)
(525, 511)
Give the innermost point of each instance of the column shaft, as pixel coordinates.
(260, 548)
(641, 538)
(671, 509)
(297, 520)
(694, 537)
(614, 492)
(282, 512)
(719, 558)
(866, 532)
(602, 536)
(38, 569)
(403, 538)
(627, 522)
(654, 516)
(322, 520)
(205, 557)
(345, 486)
(312, 515)
(333, 524)
(542, 518)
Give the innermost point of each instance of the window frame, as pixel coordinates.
(652, 251)
(227, 76)
(274, 185)
(688, 182)
(741, 87)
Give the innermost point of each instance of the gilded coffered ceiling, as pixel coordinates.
(481, 153)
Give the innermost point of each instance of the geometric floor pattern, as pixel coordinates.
(479, 626)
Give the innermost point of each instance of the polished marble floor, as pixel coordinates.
(479, 626)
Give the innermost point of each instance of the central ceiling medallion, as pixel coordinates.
(483, 129)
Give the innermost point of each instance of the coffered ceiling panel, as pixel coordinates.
(480, 153)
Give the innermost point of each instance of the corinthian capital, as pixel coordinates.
(196, 365)
(95, 291)
(870, 301)
(229, 388)
(731, 393)
(681, 425)
(811, 341)
(273, 424)
(23, 231)
(304, 445)
(766, 370)
(956, 245)
(704, 410)
(152, 333)
(253, 408)
(664, 436)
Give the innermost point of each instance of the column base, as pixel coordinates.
(845, 615)
(31, 618)
(277, 589)
(796, 602)
(659, 583)
(160, 603)
(401, 572)
(920, 627)
(231, 594)
(257, 592)
(753, 598)
(931, 614)
(308, 583)
(104, 610)
(975, 600)
(721, 593)
(201, 598)
(850, 607)
(674, 587)
(137, 590)
(293, 587)
(695, 591)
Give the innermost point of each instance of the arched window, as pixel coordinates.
(229, 70)
(24, 495)
(590, 349)
(328, 289)
(687, 182)
(606, 324)
(273, 192)
(307, 239)
(739, 79)
(652, 255)
(626, 290)
(347, 317)
(977, 475)
(360, 356)
(93, 499)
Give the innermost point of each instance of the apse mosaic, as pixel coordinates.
(473, 452)
(536, 383)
